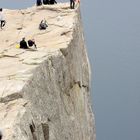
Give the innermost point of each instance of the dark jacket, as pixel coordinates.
(46, 2)
(53, 2)
(31, 43)
(23, 44)
(38, 2)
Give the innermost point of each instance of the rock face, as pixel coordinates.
(44, 94)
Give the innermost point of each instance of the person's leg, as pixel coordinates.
(35, 45)
(71, 4)
(3, 23)
(47, 2)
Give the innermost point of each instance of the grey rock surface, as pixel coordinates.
(44, 94)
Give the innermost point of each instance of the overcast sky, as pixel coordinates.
(112, 32)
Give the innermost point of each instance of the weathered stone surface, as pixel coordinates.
(44, 94)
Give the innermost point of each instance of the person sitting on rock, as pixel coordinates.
(2, 21)
(72, 4)
(53, 2)
(31, 43)
(38, 2)
(43, 25)
(23, 44)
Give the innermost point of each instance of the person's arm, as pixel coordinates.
(26, 45)
(34, 44)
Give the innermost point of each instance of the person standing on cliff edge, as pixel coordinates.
(38, 2)
(72, 4)
(2, 21)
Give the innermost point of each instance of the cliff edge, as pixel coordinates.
(44, 94)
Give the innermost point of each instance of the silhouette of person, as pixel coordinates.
(23, 44)
(53, 2)
(38, 2)
(46, 2)
(72, 4)
(31, 43)
(2, 21)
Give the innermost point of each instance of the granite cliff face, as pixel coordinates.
(44, 94)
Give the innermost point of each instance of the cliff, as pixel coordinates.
(44, 94)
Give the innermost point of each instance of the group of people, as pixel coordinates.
(38, 3)
(42, 26)
(45, 2)
(31, 43)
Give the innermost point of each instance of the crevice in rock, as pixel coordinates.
(10, 56)
(51, 62)
(61, 96)
(78, 83)
(32, 128)
(85, 86)
(65, 33)
(45, 128)
(11, 97)
(64, 51)
(19, 28)
(49, 120)
(33, 63)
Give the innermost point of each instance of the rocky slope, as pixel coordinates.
(44, 94)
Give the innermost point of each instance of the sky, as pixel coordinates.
(112, 34)
(112, 31)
